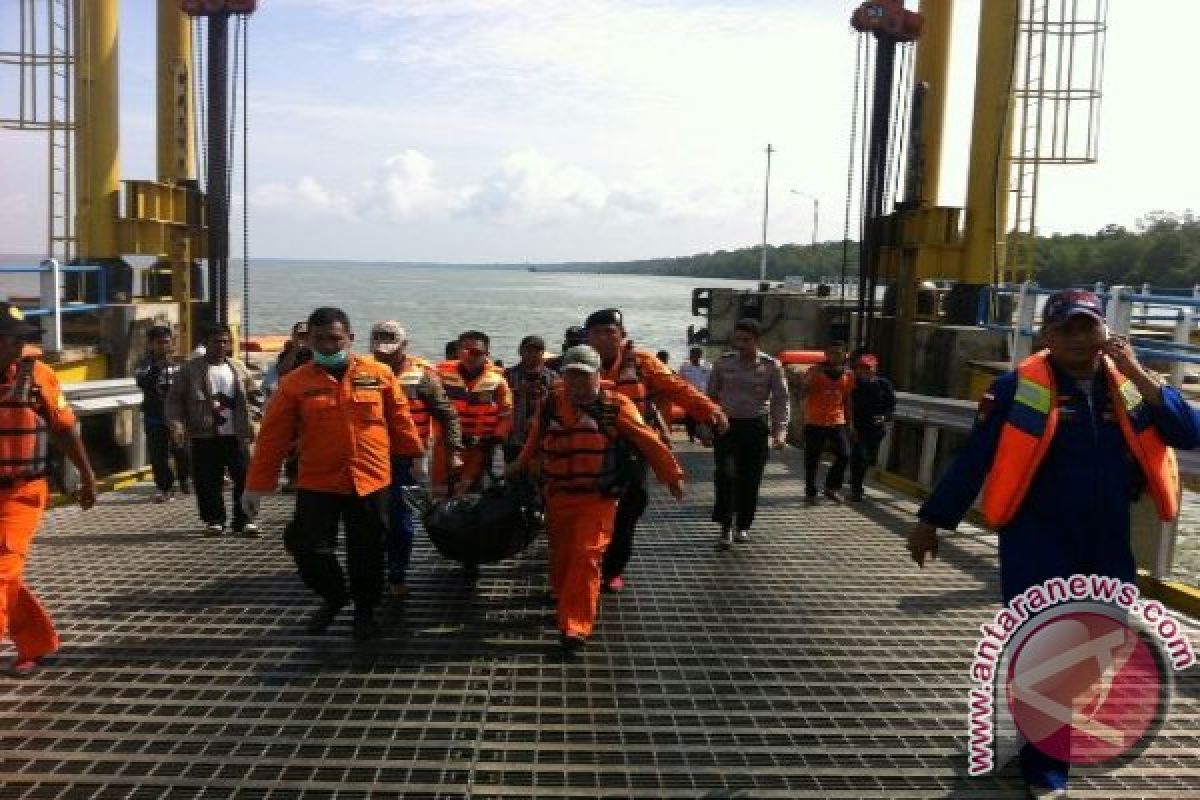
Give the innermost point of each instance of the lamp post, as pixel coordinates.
(816, 212)
(762, 264)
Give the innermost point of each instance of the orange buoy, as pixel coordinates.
(801, 357)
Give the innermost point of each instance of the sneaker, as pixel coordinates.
(725, 538)
(365, 628)
(743, 536)
(23, 668)
(215, 529)
(250, 530)
(833, 495)
(322, 618)
(613, 585)
(572, 642)
(1038, 792)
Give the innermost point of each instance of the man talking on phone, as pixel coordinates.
(1061, 447)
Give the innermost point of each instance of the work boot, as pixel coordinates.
(322, 617)
(725, 538)
(365, 626)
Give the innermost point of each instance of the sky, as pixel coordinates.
(543, 130)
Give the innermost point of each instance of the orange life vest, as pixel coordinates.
(626, 377)
(410, 378)
(1027, 433)
(585, 456)
(476, 402)
(24, 434)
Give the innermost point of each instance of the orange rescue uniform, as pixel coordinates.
(485, 406)
(347, 430)
(640, 376)
(825, 403)
(32, 407)
(576, 455)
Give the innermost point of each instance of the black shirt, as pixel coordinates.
(873, 398)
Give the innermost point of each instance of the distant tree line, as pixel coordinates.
(1163, 249)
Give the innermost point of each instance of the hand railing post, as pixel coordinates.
(50, 285)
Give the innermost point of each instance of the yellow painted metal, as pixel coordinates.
(177, 151)
(96, 132)
(991, 134)
(94, 368)
(932, 68)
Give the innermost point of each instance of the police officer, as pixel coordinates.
(1060, 446)
(32, 411)
(750, 387)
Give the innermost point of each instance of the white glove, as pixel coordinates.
(252, 502)
(417, 470)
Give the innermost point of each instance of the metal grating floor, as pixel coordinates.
(814, 662)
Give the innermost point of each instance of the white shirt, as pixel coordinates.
(222, 386)
(696, 374)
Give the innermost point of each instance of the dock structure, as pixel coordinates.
(816, 661)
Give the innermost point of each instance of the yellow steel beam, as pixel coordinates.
(933, 69)
(991, 134)
(176, 145)
(96, 132)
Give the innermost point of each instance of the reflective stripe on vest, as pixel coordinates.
(1029, 430)
(581, 458)
(410, 378)
(478, 411)
(24, 437)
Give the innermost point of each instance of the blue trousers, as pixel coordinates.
(401, 526)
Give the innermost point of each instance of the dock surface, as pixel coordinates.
(814, 662)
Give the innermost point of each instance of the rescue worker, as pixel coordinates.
(427, 403)
(154, 374)
(530, 381)
(572, 336)
(874, 403)
(33, 412)
(483, 401)
(827, 389)
(349, 415)
(579, 445)
(1060, 448)
(640, 376)
(752, 391)
(209, 409)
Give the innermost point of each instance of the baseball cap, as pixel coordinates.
(13, 323)
(868, 360)
(575, 335)
(605, 316)
(581, 357)
(388, 336)
(1064, 304)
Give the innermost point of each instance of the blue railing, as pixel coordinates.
(50, 290)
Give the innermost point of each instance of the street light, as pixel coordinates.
(816, 212)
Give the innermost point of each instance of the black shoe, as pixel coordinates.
(322, 617)
(365, 627)
(856, 495)
(184, 488)
(834, 496)
(725, 539)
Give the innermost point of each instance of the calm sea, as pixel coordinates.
(436, 303)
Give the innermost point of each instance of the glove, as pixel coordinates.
(252, 502)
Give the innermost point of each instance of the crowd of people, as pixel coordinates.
(1061, 447)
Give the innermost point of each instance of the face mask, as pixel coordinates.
(334, 361)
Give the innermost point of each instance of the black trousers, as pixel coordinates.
(816, 438)
(311, 537)
(160, 451)
(211, 457)
(630, 507)
(741, 455)
(864, 454)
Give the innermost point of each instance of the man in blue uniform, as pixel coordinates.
(1073, 516)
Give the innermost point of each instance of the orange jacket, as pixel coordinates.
(1027, 433)
(640, 376)
(346, 430)
(32, 407)
(825, 403)
(573, 452)
(484, 404)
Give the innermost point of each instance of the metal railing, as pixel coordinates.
(1177, 311)
(52, 305)
(93, 398)
(937, 415)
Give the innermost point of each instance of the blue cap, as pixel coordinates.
(1067, 303)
